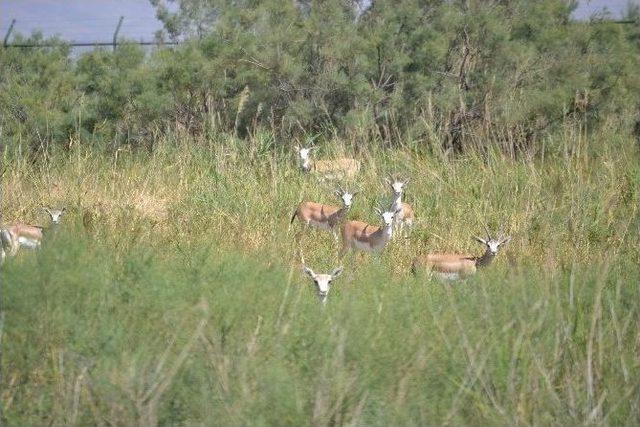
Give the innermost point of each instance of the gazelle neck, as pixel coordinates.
(386, 231)
(397, 201)
(307, 165)
(485, 259)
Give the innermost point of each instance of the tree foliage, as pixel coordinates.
(430, 72)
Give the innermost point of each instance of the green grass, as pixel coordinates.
(172, 294)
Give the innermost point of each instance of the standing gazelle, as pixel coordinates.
(323, 281)
(29, 236)
(343, 167)
(325, 217)
(456, 266)
(405, 214)
(367, 237)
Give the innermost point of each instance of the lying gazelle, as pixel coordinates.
(325, 217)
(405, 214)
(28, 236)
(456, 266)
(343, 167)
(367, 237)
(323, 281)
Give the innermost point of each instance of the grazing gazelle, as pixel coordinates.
(29, 236)
(323, 281)
(325, 217)
(367, 237)
(343, 167)
(456, 266)
(405, 211)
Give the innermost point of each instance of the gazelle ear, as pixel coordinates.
(397, 211)
(406, 181)
(64, 208)
(378, 211)
(505, 240)
(484, 242)
(338, 271)
(296, 147)
(387, 180)
(309, 272)
(47, 210)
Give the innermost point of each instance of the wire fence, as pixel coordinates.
(73, 43)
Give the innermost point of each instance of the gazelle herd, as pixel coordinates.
(359, 235)
(356, 235)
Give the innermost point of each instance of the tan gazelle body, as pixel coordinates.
(366, 237)
(405, 214)
(339, 168)
(325, 217)
(457, 266)
(19, 235)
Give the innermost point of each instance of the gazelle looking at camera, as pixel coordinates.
(325, 217)
(456, 266)
(366, 237)
(323, 281)
(405, 214)
(344, 167)
(28, 236)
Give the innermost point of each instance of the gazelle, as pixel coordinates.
(29, 236)
(323, 281)
(405, 211)
(367, 237)
(5, 244)
(325, 217)
(456, 266)
(343, 167)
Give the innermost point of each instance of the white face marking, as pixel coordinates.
(304, 153)
(55, 214)
(323, 281)
(398, 187)
(493, 246)
(347, 199)
(387, 218)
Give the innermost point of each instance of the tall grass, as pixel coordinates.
(173, 293)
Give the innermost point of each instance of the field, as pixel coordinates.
(172, 292)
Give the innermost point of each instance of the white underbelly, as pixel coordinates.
(448, 276)
(320, 225)
(28, 243)
(363, 246)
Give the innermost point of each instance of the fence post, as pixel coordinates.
(6, 38)
(115, 34)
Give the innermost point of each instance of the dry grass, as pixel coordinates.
(107, 323)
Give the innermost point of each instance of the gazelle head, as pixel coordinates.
(346, 197)
(397, 185)
(323, 281)
(387, 216)
(492, 243)
(303, 153)
(55, 214)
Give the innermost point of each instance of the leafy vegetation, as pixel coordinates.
(425, 73)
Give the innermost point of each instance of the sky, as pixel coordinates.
(96, 20)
